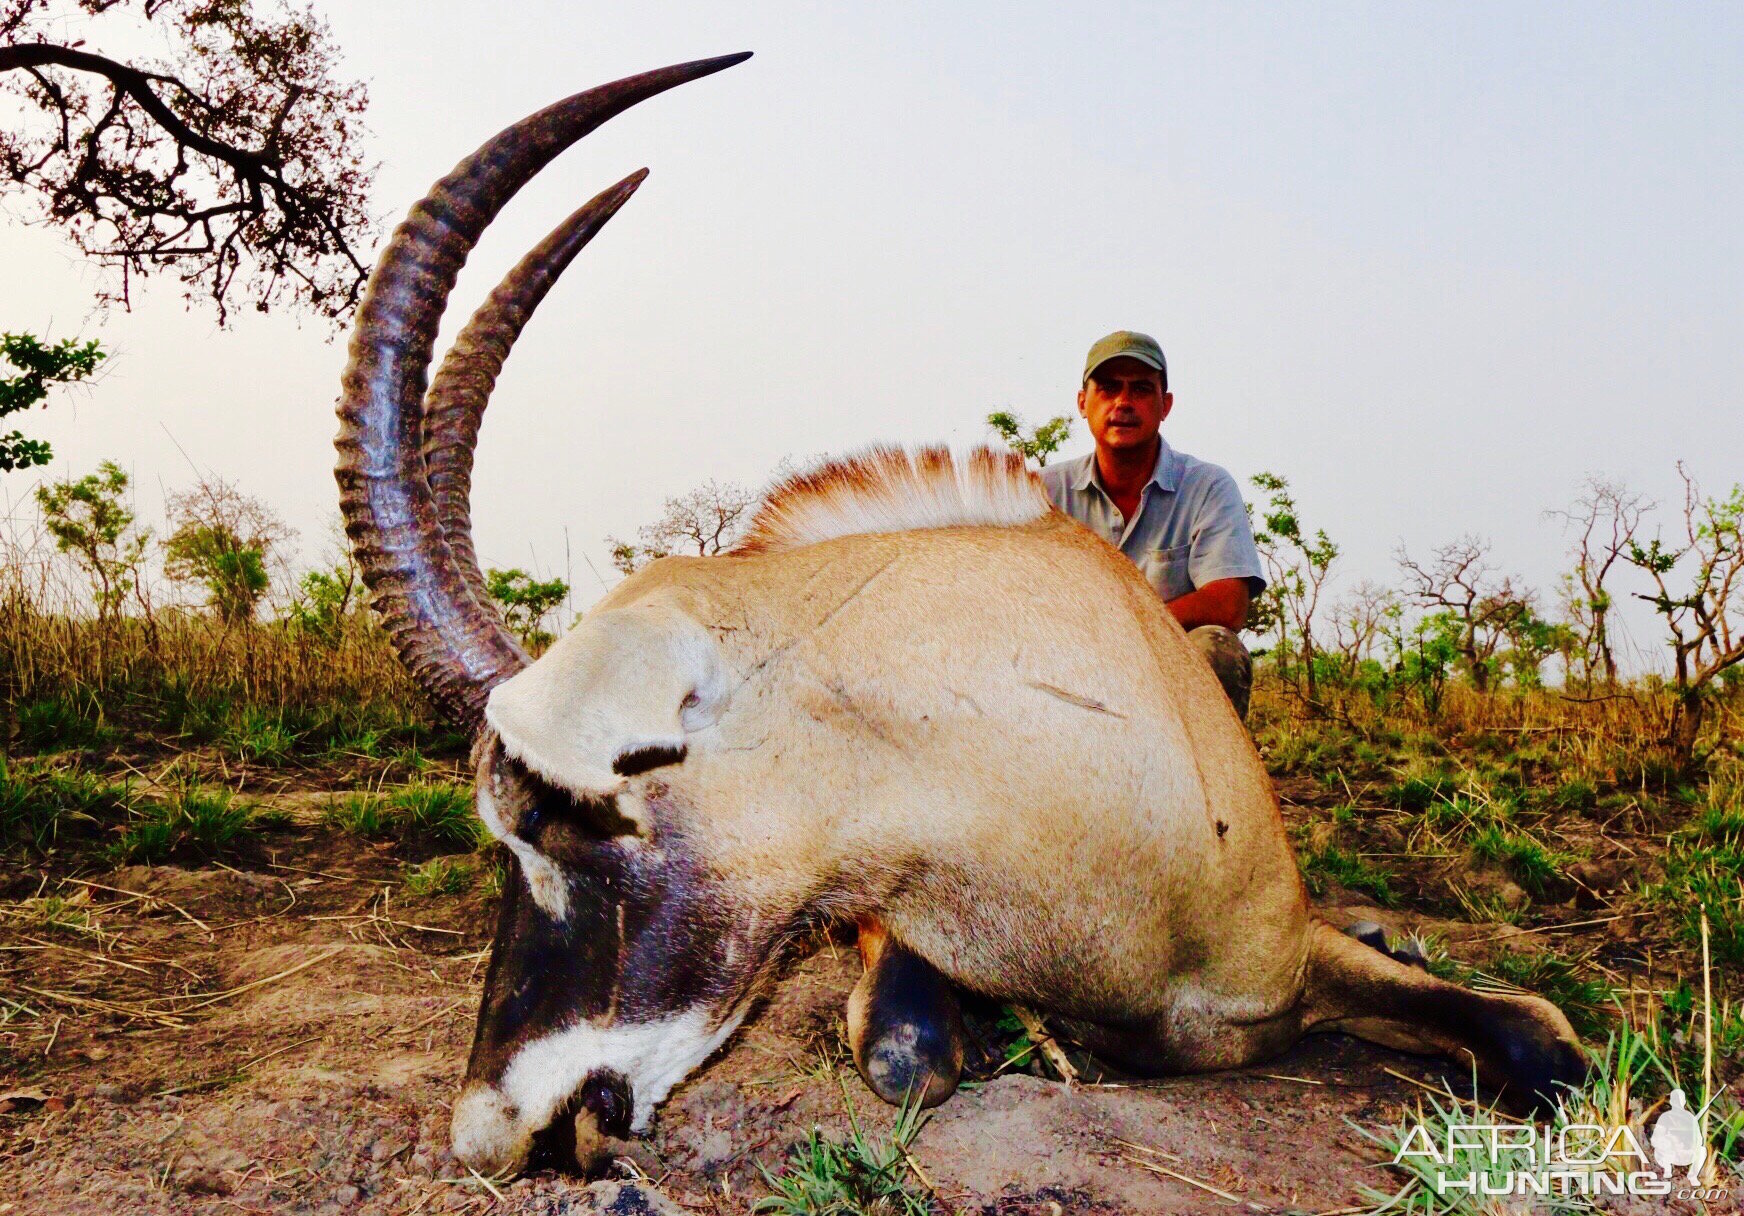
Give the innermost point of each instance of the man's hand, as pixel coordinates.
(1223, 602)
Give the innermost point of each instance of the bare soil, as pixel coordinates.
(286, 1034)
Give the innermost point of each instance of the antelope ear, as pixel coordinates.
(616, 695)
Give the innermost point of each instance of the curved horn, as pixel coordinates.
(454, 646)
(461, 388)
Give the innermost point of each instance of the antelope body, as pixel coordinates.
(915, 697)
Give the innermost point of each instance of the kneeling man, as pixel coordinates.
(1184, 524)
(1180, 520)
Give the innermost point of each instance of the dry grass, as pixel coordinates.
(167, 678)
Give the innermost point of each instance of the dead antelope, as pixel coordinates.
(915, 696)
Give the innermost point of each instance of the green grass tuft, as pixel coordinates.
(1704, 870)
(40, 804)
(259, 735)
(1421, 793)
(363, 814)
(440, 876)
(1530, 864)
(1588, 1002)
(860, 1176)
(432, 813)
(56, 724)
(196, 819)
(1348, 870)
(438, 811)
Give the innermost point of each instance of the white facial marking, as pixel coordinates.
(623, 680)
(484, 1134)
(651, 1056)
(545, 882)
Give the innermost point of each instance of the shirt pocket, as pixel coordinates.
(1166, 570)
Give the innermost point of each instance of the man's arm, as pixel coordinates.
(1222, 601)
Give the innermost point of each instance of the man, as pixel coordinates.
(1184, 524)
(1180, 520)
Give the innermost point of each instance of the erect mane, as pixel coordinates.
(888, 489)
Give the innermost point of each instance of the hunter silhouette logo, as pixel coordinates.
(1573, 1159)
(1677, 1139)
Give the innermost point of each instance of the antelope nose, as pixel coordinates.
(607, 1095)
(486, 1133)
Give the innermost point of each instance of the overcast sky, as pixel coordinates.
(1432, 264)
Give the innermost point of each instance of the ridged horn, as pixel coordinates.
(451, 641)
(460, 390)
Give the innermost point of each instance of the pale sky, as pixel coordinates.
(1431, 264)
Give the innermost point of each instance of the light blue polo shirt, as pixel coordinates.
(1191, 529)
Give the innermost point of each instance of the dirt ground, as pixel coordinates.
(286, 1035)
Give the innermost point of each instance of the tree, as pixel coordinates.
(1296, 570)
(706, 521)
(1360, 619)
(235, 161)
(1460, 579)
(526, 602)
(1705, 619)
(1603, 517)
(1530, 640)
(39, 366)
(1040, 443)
(1424, 653)
(224, 540)
(89, 520)
(325, 600)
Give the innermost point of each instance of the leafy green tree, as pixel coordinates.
(39, 365)
(325, 600)
(526, 602)
(1705, 615)
(1530, 641)
(1297, 567)
(1038, 444)
(233, 571)
(223, 540)
(233, 161)
(1425, 653)
(89, 520)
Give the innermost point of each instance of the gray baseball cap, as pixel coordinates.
(1138, 346)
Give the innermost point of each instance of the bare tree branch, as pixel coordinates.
(236, 166)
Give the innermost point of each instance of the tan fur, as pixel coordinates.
(1003, 735)
(998, 742)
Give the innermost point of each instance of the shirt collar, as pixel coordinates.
(1165, 476)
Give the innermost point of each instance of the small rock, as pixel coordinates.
(109, 1092)
(386, 1147)
(347, 1195)
(1599, 875)
(630, 1199)
(194, 1175)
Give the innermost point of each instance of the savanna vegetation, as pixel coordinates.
(1456, 755)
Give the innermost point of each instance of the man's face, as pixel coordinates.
(1124, 403)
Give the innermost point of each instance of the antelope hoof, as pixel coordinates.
(905, 1027)
(1409, 950)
